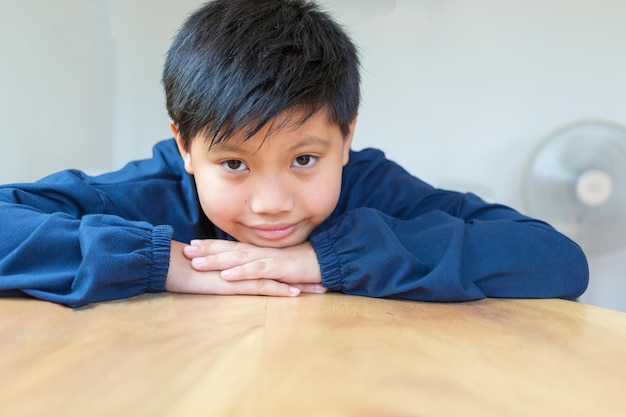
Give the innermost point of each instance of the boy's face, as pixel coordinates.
(271, 190)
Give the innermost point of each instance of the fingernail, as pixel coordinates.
(227, 273)
(320, 289)
(198, 261)
(294, 291)
(191, 249)
(195, 242)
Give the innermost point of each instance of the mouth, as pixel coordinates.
(274, 231)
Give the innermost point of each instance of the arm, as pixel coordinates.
(438, 257)
(60, 244)
(394, 236)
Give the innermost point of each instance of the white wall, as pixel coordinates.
(458, 91)
(80, 82)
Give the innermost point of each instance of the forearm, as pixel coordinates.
(437, 257)
(71, 261)
(182, 278)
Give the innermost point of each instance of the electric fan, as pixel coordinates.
(576, 181)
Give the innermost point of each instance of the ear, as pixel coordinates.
(347, 141)
(182, 148)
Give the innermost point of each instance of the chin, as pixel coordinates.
(278, 243)
(283, 243)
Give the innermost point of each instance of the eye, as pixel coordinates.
(304, 161)
(234, 165)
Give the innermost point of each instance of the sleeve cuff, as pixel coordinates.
(161, 245)
(330, 265)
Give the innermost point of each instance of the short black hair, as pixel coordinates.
(236, 64)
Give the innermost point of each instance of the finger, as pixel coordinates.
(198, 248)
(211, 283)
(261, 287)
(268, 268)
(255, 269)
(231, 259)
(219, 245)
(311, 288)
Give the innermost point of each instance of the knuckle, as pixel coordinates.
(260, 265)
(263, 286)
(237, 245)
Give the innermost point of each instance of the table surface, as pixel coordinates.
(314, 355)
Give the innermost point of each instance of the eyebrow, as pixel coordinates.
(226, 147)
(306, 141)
(310, 140)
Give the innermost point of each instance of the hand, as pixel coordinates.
(240, 262)
(182, 278)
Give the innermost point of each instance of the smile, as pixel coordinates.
(274, 231)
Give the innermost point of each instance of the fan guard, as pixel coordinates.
(576, 181)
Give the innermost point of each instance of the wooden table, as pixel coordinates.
(315, 355)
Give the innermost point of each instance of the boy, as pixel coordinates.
(260, 179)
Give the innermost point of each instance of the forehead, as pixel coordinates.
(296, 127)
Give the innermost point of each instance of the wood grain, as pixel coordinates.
(314, 355)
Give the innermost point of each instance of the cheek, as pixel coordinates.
(219, 202)
(321, 199)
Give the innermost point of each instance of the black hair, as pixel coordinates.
(236, 64)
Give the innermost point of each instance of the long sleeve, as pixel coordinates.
(74, 239)
(395, 236)
(76, 262)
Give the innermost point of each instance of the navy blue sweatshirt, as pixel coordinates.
(76, 239)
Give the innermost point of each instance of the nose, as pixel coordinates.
(271, 196)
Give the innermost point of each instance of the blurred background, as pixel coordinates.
(460, 92)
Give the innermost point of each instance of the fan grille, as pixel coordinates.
(576, 181)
